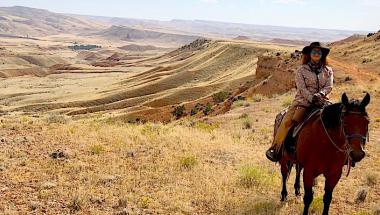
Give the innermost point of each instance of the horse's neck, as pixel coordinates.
(336, 133)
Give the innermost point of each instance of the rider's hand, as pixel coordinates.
(318, 100)
(317, 97)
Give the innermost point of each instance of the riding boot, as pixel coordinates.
(274, 153)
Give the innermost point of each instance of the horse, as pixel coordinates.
(329, 140)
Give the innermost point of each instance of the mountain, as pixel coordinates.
(230, 30)
(134, 34)
(25, 21)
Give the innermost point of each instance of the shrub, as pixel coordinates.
(316, 206)
(208, 109)
(287, 101)
(250, 176)
(122, 202)
(76, 203)
(206, 126)
(24, 119)
(57, 118)
(361, 195)
(239, 103)
(370, 34)
(376, 210)
(188, 162)
(371, 179)
(152, 129)
(194, 111)
(198, 107)
(257, 98)
(220, 96)
(247, 124)
(265, 208)
(179, 111)
(243, 116)
(96, 149)
(145, 201)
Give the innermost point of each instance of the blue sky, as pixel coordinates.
(331, 14)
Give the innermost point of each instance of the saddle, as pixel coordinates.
(290, 141)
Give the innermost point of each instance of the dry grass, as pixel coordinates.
(54, 164)
(184, 167)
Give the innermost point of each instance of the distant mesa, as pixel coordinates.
(242, 38)
(133, 34)
(290, 42)
(352, 38)
(31, 22)
(138, 48)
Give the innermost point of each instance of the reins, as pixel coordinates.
(331, 140)
(346, 146)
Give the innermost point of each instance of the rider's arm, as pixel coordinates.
(301, 85)
(329, 82)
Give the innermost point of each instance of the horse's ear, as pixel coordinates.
(345, 101)
(365, 101)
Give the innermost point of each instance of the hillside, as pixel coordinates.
(204, 74)
(189, 75)
(24, 21)
(361, 51)
(53, 164)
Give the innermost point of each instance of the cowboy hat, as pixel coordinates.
(307, 49)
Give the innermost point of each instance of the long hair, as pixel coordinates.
(306, 59)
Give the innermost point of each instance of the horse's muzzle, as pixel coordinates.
(357, 155)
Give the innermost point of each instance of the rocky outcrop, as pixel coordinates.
(276, 73)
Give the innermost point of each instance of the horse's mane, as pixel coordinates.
(331, 115)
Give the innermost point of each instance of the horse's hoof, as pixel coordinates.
(284, 195)
(298, 193)
(283, 198)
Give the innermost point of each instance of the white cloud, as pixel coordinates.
(290, 1)
(210, 1)
(370, 2)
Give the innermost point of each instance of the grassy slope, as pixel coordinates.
(184, 167)
(364, 52)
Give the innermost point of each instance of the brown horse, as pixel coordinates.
(326, 143)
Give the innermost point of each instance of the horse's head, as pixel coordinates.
(355, 125)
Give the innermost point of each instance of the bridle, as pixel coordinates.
(348, 137)
(363, 138)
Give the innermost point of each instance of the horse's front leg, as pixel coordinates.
(308, 180)
(297, 185)
(331, 182)
(286, 167)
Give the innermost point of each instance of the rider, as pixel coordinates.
(314, 81)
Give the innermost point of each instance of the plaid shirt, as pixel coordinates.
(308, 83)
